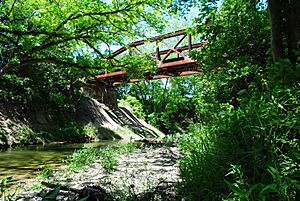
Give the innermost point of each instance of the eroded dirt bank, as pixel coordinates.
(91, 120)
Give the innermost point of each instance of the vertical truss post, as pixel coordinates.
(190, 42)
(157, 52)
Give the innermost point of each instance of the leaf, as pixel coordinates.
(273, 172)
(235, 188)
(296, 153)
(52, 195)
(269, 189)
(84, 199)
(296, 184)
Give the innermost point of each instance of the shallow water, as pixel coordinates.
(25, 162)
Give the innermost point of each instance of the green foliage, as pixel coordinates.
(164, 102)
(5, 184)
(283, 72)
(14, 88)
(46, 173)
(90, 131)
(108, 155)
(134, 104)
(137, 65)
(52, 195)
(81, 157)
(171, 140)
(26, 135)
(72, 128)
(108, 159)
(238, 34)
(73, 131)
(250, 142)
(243, 148)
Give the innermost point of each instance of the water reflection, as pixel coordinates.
(25, 162)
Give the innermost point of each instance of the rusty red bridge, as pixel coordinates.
(172, 60)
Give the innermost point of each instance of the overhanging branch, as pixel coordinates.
(53, 43)
(54, 61)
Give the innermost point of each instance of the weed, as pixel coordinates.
(5, 185)
(108, 158)
(170, 140)
(81, 157)
(90, 131)
(46, 172)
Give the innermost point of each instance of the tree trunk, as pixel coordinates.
(276, 17)
(293, 29)
(297, 28)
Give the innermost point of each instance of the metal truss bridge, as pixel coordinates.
(172, 60)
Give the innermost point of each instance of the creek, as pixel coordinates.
(25, 162)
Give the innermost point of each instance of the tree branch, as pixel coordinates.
(113, 24)
(12, 7)
(91, 46)
(73, 16)
(51, 61)
(31, 32)
(10, 40)
(53, 43)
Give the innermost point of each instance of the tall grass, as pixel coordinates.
(251, 153)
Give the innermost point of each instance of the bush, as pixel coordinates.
(251, 153)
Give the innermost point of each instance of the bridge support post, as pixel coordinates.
(105, 94)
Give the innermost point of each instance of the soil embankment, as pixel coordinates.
(24, 126)
(120, 123)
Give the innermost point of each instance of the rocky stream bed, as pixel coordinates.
(148, 173)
